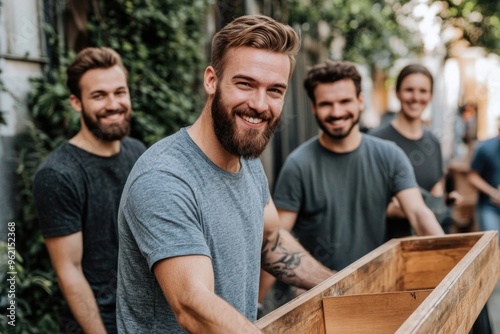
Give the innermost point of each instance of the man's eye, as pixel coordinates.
(276, 92)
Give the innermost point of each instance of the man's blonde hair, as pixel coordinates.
(257, 31)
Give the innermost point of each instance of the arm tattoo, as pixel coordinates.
(284, 267)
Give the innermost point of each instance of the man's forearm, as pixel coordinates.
(207, 313)
(188, 285)
(426, 223)
(289, 262)
(82, 303)
(480, 184)
(394, 210)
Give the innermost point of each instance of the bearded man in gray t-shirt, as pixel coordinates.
(196, 217)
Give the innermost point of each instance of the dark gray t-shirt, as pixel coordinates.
(75, 191)
(341, 199)
(424, 154)
(177, 202)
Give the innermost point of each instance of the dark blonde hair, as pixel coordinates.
(329, 72)
(88, 59)
(257, 31)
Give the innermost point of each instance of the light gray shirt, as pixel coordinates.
(177, 202)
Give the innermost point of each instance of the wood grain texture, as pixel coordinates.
(455, 303)
(377, 313)
(375, 272)
(460, 270)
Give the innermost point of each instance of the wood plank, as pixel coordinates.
(370, 313)
(300, 315)
(462, 288)
(449, 241)
(426, 269)
(376, 271)
(456, 302)
(381, 274)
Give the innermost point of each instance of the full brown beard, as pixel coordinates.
(252, 143)
(110, 132)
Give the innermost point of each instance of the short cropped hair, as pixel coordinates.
(257, 31)
(88, 59)
(329, 72)
(412, 69)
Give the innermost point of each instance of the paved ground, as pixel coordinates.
(494, 309)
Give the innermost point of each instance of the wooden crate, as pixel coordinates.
(409, 285)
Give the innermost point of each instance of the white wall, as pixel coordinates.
(488, 78)
(22, 56)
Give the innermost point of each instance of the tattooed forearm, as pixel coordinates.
(284, 268)
(286, 261)
(266, 249)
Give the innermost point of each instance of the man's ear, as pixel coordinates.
(210, 80)
(313, 108)
(361, 99)
(76, 103)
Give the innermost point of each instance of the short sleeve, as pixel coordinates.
(162, 214)
(57, 202)
(403, 174)
(437, 145)
(288, 191)
(477, 163)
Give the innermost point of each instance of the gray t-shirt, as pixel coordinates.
(427, 161)
(424, 154)
(177, 202)
(341, 199)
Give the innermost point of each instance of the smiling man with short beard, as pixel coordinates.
(108, 132)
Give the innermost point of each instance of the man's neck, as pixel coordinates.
(203, 134)
(88, 142)
(342, 145)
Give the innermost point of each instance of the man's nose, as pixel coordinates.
(113, 102)
(336, 110)
(258, 102)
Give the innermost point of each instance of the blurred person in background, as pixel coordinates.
(484, 175)
(414, 88)
(77, 189)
